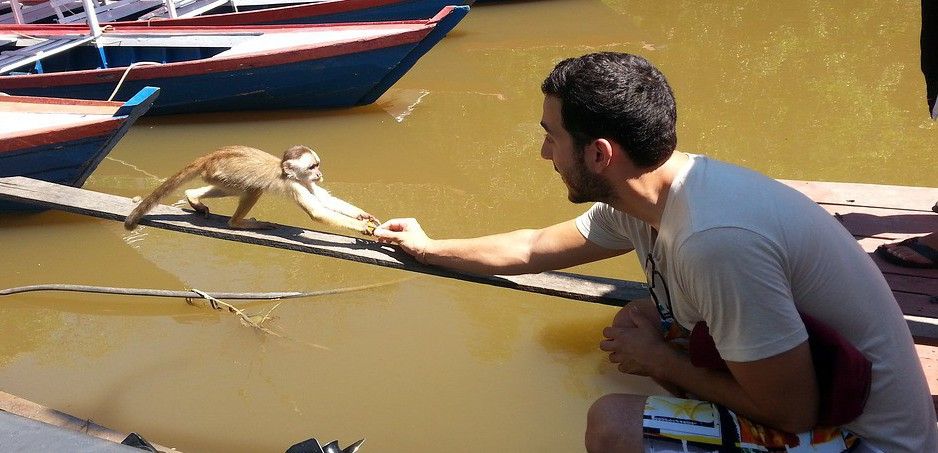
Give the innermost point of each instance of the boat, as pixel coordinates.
(62, 140)
(282, 12)
(207, 69)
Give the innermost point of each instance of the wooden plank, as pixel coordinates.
(928, 356)
(875, 195)
(34, 411)
(924, 330)
(10, 60)
(920, 305)
(912, 284)
(561, 284)
(882, 222)
(114, 11)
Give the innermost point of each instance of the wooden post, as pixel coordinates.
(91, 17)
(17, 11)
(171, 8)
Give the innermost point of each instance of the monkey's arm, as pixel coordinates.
(341, 206)
(318, 211)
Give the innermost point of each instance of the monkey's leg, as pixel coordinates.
(238, 222)
(194, 197)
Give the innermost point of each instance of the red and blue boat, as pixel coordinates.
(62, 140)
(206, 69)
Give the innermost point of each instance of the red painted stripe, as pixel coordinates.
(212, 65)
(275, 13)
(52, 136)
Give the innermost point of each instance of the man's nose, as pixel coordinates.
(545, 153)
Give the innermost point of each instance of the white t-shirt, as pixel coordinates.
(746, 253)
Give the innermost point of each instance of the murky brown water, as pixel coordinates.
(798, 90)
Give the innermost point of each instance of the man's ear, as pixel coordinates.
(598, 155)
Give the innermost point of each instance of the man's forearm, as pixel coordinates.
(505, 254)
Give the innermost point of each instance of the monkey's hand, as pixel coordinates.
(369, 228)
(406, 233)
(370, 218)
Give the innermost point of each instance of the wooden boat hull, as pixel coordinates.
(343, 74)
(332, 11)
(68, 155)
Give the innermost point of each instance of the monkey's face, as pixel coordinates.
(306, 167)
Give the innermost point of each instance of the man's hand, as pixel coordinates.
(406, 233)
(635, 341)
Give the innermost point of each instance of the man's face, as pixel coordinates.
(558, 147)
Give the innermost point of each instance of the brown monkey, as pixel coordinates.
(248, 173)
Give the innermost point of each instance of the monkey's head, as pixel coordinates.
(301, 164)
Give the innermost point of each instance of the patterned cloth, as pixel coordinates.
(686, 425)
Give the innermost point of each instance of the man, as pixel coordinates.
(721, 245)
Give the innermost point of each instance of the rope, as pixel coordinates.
(127, 71)
(189, 294)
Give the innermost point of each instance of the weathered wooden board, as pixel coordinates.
(33, 411)
(562, 284)
(875, 195)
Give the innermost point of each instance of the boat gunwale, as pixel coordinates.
(285, 12)
(286, 55)
(14, 143)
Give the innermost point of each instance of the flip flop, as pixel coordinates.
(912, 243)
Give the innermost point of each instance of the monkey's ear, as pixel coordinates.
(288, 170)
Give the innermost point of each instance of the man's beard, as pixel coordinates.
(583, 187)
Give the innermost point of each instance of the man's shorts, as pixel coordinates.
(685, 426)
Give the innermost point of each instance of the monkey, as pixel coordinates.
(248, 173)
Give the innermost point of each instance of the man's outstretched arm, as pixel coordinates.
(517, 252)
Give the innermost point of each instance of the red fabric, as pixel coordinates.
(843, 374)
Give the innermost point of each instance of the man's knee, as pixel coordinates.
(614, 424)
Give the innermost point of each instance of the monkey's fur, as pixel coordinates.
(248, 173)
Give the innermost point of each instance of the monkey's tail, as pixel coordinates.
(174, 181)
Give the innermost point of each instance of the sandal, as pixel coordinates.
(912, 243)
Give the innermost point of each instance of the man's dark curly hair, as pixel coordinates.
(616, 96)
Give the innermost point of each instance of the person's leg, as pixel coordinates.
(614, 424)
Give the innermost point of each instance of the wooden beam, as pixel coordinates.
(872, 195)
(34, 411)
(561, 284)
